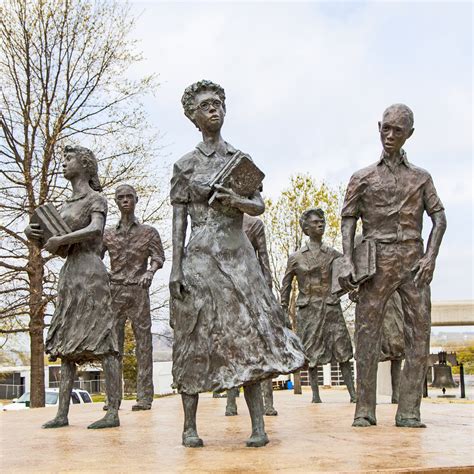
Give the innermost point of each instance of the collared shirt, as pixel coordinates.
(129, 251)
(194, 171)
(391, 200)
(313, 271)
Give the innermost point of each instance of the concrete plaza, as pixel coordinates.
(303, 438)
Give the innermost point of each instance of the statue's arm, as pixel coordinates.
(180, 220)
(348, 228)
(157, 254)
(93, 230)
(263, 257)
(285, 291)
(424, 268)
(253, 205)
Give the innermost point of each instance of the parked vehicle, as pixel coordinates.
(78, 396)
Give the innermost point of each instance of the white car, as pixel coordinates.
(78, 396)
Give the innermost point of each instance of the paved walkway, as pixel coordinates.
(304, 438)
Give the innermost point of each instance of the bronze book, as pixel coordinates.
(364, 262)
(239, 174)
(51, 223)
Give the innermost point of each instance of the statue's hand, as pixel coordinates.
(53, 244)
(354, 296)
(176, 285)
(346, 280)
(227, 196)
(34, 232)
(423, 271)
(146, 279)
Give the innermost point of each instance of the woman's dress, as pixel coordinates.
(320, 323)
(228, 329)
(82, 327)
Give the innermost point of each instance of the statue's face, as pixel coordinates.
(126, 200)
(209, 111)
(72, 165)
(394, 132)
(314, 226)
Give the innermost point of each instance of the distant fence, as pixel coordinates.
(92, 386)
(9, 391)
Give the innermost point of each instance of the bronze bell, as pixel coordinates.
(443, 376)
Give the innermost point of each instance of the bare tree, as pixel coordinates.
(63, 70)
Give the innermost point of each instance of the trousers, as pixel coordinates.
(132, 302)
(393, 272)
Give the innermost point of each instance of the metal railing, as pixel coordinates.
(92, 386)
(9, 391)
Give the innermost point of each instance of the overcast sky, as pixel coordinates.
(306, 84)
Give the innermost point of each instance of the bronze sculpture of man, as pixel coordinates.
(320, 323)
(390, 198)
(136, 253)
(255, 231)
(228, 328)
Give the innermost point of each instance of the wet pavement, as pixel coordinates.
(304, 437)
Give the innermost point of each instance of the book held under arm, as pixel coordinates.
(364, 258)
(52, 224)
(239, 174)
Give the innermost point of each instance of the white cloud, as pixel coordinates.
(307, 82)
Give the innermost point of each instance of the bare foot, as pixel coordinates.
(270, 411)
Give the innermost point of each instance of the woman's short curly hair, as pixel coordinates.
(191, 91)
(314, 210)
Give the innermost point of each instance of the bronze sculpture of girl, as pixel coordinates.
(82, 327)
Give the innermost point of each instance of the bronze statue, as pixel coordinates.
(131, 245)
(255, 231)
(390, 198)
(82, 327)
(228, 328)
(320, 323)
(392, 347)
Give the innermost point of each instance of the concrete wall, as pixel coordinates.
(162, 378)
(452, 313)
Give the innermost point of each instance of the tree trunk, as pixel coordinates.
(297, 385)
(36, 327)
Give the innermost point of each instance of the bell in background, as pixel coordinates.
(443, 376)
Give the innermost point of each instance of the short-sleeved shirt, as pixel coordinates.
(192, 174)
(391, 201)
(129, 251)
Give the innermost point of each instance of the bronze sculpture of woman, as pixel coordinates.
(82, 327)
(228, 328)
